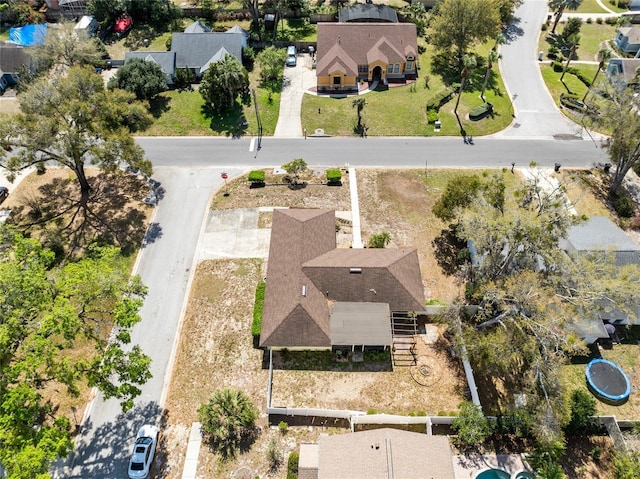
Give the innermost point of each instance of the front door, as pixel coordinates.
(377, 74)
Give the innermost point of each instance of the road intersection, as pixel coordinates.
(189, 170)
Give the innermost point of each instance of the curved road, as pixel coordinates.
(535, 111)
(189, 170)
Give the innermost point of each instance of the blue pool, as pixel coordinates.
(493, 474)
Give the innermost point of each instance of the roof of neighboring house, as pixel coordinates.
(238, 29)
(349, 44)
(599, 233)
(197, 27)
(384, 453)
(626, 67)
(306, 273)
(632, 34)
(194, 50)
(367, 11)
(12, 57)
(166, 60)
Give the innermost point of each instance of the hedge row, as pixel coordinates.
(258, 304)
(334, 175)
(572, 101)
(442, 97)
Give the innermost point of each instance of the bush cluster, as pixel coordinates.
(256, 176)
(258, 304)
(432, 115)
(334, 175)
(292, 465)
(440, 98)
(481, 111)
(624, 207)
(572, 101)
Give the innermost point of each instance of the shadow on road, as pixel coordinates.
(103, 451)
(512, 31)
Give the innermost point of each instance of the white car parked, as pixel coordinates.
(143, 451)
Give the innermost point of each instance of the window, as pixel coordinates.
(396, 68)
(390, 68)
(363, 69)
(409, 65)
(336, 80)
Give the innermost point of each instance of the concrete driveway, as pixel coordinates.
(297, 80)
(234, 234)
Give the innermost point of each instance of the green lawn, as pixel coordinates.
(297, 30)
(570, 83)
(590, 6)
(591, 36)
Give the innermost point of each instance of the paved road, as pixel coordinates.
(536, 113)
(376, 152)
(165, 263)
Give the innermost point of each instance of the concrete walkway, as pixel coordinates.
(193, 451)
(355, 210)
(296, 81)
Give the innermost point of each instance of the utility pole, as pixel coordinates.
(255, 103)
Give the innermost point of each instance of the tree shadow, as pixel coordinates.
(159, 105)
(112, 215)
(232, 123)
(116, 437)
(512, 31)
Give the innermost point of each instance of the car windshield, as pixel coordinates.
(144, 440)
(137, 466)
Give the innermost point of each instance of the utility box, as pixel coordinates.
(86, 27)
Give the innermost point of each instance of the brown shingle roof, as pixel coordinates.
(363, 43)
(383, 454)
(289, 318)
(306, 271)
(385, 276)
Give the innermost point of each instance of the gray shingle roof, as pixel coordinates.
(599, 233)
(197, 27)
(166, 60)
(193, 50)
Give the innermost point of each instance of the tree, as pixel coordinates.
(602, 56)
(461, 23)
(223, 83)
(471, 425)
(254, 10)
(106, 11)
(459, 192)
(492, 57)
(145, 79)
(64, 48)
(623, 145)
(571, 28)
(381, 240)
(559, 6)
(73, 121)
(626, 464)
(228, 419)
(359, 103)
(468, 62)
(583, 408)
(296, 168)
(417, 14)
(48, 312)
(270, 61)
(574, 41)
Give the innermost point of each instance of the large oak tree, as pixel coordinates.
(48, 314)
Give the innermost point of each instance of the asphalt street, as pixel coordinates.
(167, 257)
(373, 152)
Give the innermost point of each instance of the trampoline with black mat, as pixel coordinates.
(608, 382)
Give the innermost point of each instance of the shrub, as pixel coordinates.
(283, 427)
(557, 66)
(471, 425)
(626, 465)
(258, 304)
(553, 52)
(571, 101)
(440, 98)
(334, 175)
(256, 176)
(611, 20)
(479, 112)
(292, 465)
(380, 240)
(544, 27)
(599, 21)
(583, 407)
(274, 457)
(371, 411)
(432, 115)
(589, 20)
(624, 207)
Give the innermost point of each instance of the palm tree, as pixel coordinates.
(603, 56)
(492, 57)
(359, 104)
(559, 6)
(468, 62)
(574, 41)
(500, 40)
(227, 420)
